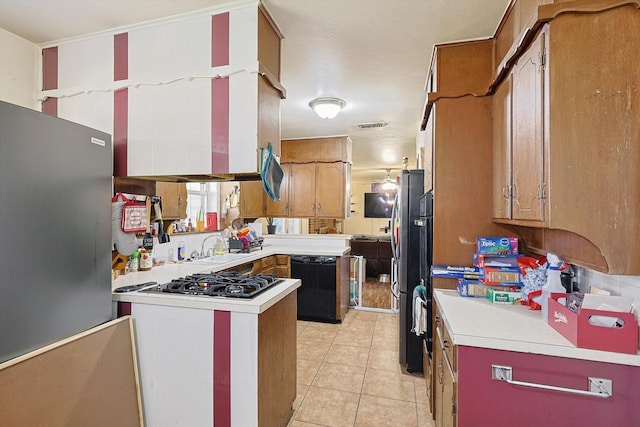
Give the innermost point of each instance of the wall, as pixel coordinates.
(18, 70)
(617, 285)
(358, 224)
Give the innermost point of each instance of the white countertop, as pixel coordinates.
(169, 271)
(256, 305)
(476, 322)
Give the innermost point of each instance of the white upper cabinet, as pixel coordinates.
(184, 96)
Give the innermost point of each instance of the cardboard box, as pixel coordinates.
(503, 297)
(471, 288)
(497, 245)
(456, 272)
(475, 288)
(511, 260)
(580, 332)
(500, 276)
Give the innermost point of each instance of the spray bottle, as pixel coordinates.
(553, 285)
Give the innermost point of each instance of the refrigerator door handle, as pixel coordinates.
(394, 212)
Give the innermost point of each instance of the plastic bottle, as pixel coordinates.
(553, 285)
(181, 251)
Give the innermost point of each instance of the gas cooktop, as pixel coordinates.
(220, 284)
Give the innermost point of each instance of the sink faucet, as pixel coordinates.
(202, 252)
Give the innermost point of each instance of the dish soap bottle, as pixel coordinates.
(553, 284)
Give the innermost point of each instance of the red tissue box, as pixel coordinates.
(576, 328)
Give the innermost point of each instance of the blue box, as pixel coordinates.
(497, 245)
(456, 272)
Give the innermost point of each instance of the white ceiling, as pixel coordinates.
(374, 54)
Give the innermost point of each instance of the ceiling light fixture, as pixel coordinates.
(388, 184)
(327, 107)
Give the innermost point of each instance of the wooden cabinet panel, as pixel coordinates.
(280, 208)
(302, 184)
(283, 266)
(502, 150)
(252, 197)
(330, 190)
(333, 149)
(174, 199)
(528, 181)
(464, 68)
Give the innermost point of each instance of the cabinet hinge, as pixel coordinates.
(454, 408)
(542, 192)
(542, 59)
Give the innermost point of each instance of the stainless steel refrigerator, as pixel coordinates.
(55, 219)
(405, 243)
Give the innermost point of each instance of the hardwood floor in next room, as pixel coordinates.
(349, 375)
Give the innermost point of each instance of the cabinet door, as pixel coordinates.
(252, 197)
(528, 140)
(502, 151)
(302, 195)
(330, 190)
(174, 199)
(280, 208)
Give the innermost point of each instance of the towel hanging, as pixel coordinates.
(271, 173)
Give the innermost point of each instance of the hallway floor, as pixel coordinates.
(349, 375)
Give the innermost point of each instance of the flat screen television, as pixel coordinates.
(378, 205)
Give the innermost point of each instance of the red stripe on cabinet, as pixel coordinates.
(220, 125)
(50, 79)
(220, 39)
(50, 106)
(120, 131)
(50, 68)
(221, 368)
(121, 56)
(120, 104)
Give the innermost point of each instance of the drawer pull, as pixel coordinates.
(598, 387)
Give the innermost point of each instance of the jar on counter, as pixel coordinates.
(134, 261)
(146, 260)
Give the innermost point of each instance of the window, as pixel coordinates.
(202, 197)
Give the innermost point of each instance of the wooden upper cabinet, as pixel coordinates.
(252, 199)
(502, 151)
(174, 199)
(302, 196)
(528, 185)
(330, 190)
(279, 208)
(519, 22)
(463, 68)
(332, 149)
(269, 38)
(576, 136)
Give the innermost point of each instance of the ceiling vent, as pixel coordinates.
(371, 125)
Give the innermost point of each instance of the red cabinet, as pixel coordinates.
(483, 401)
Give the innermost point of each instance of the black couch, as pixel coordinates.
(376, 250)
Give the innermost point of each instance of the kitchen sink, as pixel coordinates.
(220, 259)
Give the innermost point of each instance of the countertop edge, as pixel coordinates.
(257, 305)
(549, 341)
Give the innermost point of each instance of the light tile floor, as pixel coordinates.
(349, 375)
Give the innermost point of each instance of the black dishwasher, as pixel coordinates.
(317, 293)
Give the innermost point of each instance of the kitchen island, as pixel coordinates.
(476, 342)
(218, 361)
(214, 360)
